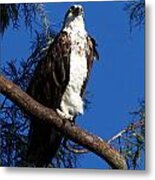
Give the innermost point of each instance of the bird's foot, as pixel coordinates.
(64, 115)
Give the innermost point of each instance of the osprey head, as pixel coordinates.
(73, 12)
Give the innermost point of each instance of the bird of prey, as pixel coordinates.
(59, 82)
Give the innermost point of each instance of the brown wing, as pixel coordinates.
(91, 54)
(52, 73)
(47, 86)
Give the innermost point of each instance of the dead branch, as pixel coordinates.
(73, 132)
(131, 126)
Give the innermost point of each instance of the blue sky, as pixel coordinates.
(117, 79)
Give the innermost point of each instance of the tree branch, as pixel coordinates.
(132, 126)
(73, 132)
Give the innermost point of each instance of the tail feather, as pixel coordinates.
(44, 143)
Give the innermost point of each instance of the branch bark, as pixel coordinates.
(73, 132)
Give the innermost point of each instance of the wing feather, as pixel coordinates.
(50, 79)
(91, 54)
(52, 73)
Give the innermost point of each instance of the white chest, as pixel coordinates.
(72, 103)
(78, 62)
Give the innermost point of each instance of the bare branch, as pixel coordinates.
(117, 136)
(73, 132)
(132, 126)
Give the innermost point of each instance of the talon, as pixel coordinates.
(60, 113)
(64, 115)
(73, 121)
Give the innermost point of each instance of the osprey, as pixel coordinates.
(59, 82)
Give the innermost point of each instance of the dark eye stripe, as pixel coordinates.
(72, 7)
